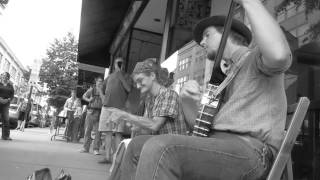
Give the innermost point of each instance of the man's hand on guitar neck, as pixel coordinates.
(190, 97)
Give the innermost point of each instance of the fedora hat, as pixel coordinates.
(236, 26)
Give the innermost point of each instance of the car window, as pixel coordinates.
(13, 107)
(14, 100)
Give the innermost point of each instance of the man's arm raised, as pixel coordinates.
(267, 34)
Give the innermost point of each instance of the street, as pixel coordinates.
(32, 150)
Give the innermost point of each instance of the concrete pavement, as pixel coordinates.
(32, 150)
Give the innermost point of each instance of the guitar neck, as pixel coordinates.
(209, 108)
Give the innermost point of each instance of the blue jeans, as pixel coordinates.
(91, 124)
(4, 116)
(172, 157)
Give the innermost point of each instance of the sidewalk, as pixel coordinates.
(32, 150)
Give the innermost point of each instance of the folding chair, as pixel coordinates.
(282, 165)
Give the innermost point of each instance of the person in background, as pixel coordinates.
(92, 96)
(82, 121)
(70, 106)
(77, 121)
(52, 115)
(114, 93)
(22, 108)
(6, 95)
(27, 115)
(80, 92)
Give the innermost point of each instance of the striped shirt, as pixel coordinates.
(166, 104)
(255, 102)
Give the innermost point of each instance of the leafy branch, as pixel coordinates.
(310, 6)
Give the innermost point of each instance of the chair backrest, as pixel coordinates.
(296, 114)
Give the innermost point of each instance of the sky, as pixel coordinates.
(29, 26)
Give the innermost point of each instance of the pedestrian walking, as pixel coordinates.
(22, 109)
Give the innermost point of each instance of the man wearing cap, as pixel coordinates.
(162, 115)
(248, 129)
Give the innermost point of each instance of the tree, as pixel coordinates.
(59, 68)
(58, 97)
(310, 5)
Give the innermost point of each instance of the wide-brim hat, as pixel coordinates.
(236, 26)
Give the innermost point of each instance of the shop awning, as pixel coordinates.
(100, 21)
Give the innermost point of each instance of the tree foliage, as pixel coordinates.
(58, 97)
(59, 68)
(310, 5)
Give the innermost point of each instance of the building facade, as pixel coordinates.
(10, 63)
(191, 64)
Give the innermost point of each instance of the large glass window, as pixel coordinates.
(291, 12)
(302, 30)
(301, 8)
(13, 72)
(184, 63)
(281, 16)
(6, 65)
(1, 59)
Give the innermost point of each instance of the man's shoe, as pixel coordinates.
(6, 139)
(96, 152)
(104, 161)
(83, 151)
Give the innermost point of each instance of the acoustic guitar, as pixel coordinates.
(211, 103)
(209, 108)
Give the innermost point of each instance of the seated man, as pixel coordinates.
(163, 113)
(248, 129)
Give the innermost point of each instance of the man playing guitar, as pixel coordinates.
(248, 129)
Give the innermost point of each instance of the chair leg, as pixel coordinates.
(289, 169)
(287, 172)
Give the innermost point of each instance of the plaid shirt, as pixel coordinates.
(166, 104)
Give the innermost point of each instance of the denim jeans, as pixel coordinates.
(4, 116)
(223, 156)
(69, 122)
(91, 124)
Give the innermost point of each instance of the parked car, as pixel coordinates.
(14, 100)
(35, 116)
